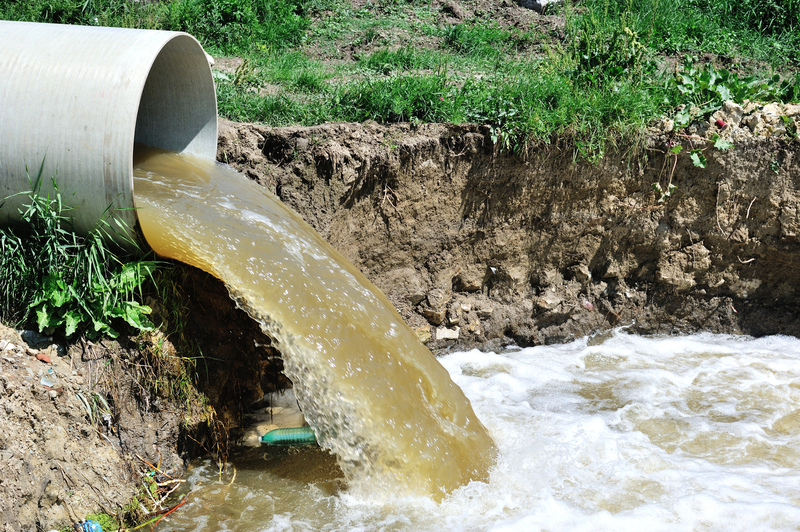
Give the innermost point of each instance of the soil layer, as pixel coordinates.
(478, 248)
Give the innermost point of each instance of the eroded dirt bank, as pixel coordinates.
(71, 430)
(82, 423)
(479, 248)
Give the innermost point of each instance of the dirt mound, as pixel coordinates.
(83, 423)
(55, 466)
(480, 248)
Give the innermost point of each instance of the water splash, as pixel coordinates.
(373, 393)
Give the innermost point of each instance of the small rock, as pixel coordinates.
(581, 272)
(209, 59)
(484, 313)
(550, 277)
(443, 333)
(434, 317)
(423, 333)
(752, 121)
(438, 298)
(454, 315)
(9, 346)
(44, 358)
(792, 109)
(415, 298)
(466, 307)
(540, 6)
(731, 113)
(53, 394)
(548, 300)
(772, 113)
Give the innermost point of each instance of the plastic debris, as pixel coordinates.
(290, 436)
(90, 526)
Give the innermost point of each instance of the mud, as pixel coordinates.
(478, 248)
(63, 452)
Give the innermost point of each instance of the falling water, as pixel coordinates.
(374, 395)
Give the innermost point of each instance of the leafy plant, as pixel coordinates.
(720, 143)
(603, 55)
(65, 282)
(707, 88)
(664, 194)
(698, 158)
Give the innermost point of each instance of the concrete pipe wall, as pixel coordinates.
(78, 97)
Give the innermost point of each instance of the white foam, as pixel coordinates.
(654, 434)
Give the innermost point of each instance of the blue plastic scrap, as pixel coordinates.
(91, 526)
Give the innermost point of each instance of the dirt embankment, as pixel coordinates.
(71, 430)
(480, 248)
(81, 423)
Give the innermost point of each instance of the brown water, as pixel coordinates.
(674, 434)
(375, 396)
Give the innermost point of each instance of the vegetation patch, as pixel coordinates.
(66, 283)
(594, 71)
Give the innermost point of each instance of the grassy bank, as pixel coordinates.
(595, 70)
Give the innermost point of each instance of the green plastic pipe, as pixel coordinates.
(78, 97)
(290, 436)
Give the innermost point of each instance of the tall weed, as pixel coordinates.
(63, 282)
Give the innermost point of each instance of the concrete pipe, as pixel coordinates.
(78, 97)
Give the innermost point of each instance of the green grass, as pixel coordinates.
(64, 283)
(599, 80)
(764, 30)
(227, 26)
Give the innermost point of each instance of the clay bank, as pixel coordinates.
(480, 248)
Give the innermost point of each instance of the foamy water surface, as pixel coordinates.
(608, 433)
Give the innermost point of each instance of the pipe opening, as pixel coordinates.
(178, 107)
(75, 99)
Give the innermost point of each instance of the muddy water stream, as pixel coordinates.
(373, 393)
(616, 432)
(628, 434)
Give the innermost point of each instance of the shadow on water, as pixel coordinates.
(303, 464)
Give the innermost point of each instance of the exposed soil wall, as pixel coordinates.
(480, 248)
(58, 462)
(164, 399)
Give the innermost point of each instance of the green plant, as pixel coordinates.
(605, 54)
(104, 520)
(478, 39)
(97, 409)
(66, 282)
(707, 88)
(664, 194)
